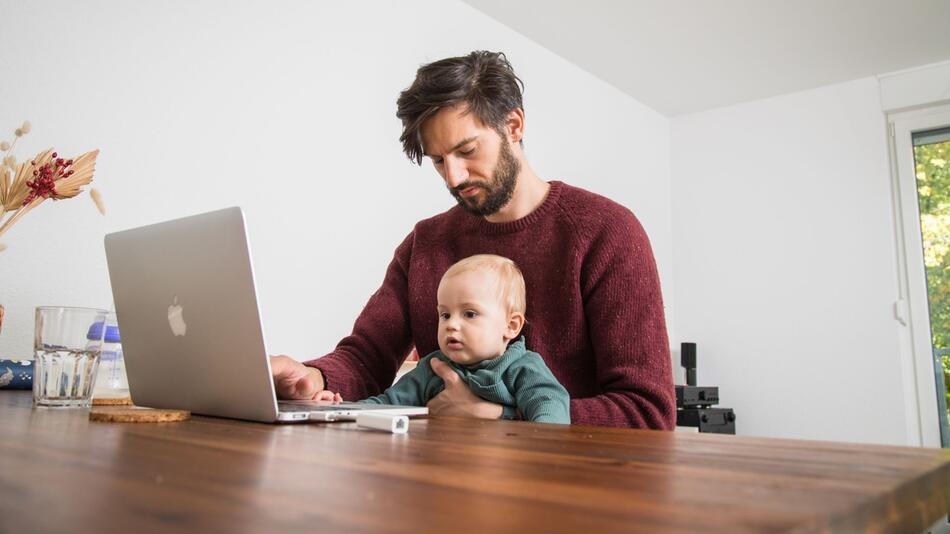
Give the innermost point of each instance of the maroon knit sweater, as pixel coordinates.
(595, 313)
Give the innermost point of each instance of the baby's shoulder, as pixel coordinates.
(528, 361)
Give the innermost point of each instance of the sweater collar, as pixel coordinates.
(515, 350)
(550, 201)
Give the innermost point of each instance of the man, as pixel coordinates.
(595, 312)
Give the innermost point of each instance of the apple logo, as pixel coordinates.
(175, 319)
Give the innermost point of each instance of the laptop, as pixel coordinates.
(192, 335)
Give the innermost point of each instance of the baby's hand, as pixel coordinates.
(328, 396)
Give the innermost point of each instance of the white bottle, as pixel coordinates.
(111, 380)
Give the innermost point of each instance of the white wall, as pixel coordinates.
(286, 108)
(785, 263)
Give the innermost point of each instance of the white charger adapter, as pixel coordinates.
(397, 424)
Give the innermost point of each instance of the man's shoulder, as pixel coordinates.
(593, 213)
(579, 198)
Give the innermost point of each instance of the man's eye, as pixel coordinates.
(470, 314)
(468, 152)
(436, 162)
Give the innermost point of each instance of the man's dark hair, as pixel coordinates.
(484, 81)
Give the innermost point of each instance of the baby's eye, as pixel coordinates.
(444, 316)
(471, 314)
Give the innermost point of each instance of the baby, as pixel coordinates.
(481, 310)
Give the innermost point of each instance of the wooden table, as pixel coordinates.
(60, 472)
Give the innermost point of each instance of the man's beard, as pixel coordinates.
(497, 192)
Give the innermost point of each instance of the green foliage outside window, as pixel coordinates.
(945, 360)
(933, 189)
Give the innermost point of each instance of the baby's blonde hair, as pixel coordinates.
(511, 289)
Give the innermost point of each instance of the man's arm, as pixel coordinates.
(624, 308)
(365, 362)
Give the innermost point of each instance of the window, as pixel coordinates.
(932, 172)
(921, 156)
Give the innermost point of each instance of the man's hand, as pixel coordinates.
(295, 380)
(457, 399)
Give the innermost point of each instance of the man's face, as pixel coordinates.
(476, 162)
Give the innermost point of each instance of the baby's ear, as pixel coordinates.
(514, 326)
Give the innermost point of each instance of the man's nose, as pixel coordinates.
(455, 172)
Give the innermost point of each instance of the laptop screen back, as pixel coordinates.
(189, 316)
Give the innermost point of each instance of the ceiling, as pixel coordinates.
(682, 56)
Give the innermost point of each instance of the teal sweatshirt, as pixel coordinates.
(518, 380)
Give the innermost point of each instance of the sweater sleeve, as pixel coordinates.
(539, 396)
(411, 388)
(365, 362)
(624, 310)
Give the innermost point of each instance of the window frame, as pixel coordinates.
(912, 309)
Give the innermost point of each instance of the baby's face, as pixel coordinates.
(473, 323)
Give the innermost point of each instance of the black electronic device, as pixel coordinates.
(694, 403)
(688, 360)
(696, 396)
(711, 420)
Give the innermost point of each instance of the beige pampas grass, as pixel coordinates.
(4, 186)
(19, 189)
(26, 185)
(97, 198)
(80, 174)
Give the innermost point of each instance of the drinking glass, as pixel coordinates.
(66, 347)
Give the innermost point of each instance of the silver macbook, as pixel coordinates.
(190, 323)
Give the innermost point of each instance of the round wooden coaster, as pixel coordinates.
(112, 401)
(134, 414)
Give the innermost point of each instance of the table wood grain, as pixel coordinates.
(61, 472)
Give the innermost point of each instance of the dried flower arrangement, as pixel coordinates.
(26, 185)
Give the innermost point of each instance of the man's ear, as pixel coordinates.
(515, 323)
(514, 125)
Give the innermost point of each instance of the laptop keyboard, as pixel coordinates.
(305, 407)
